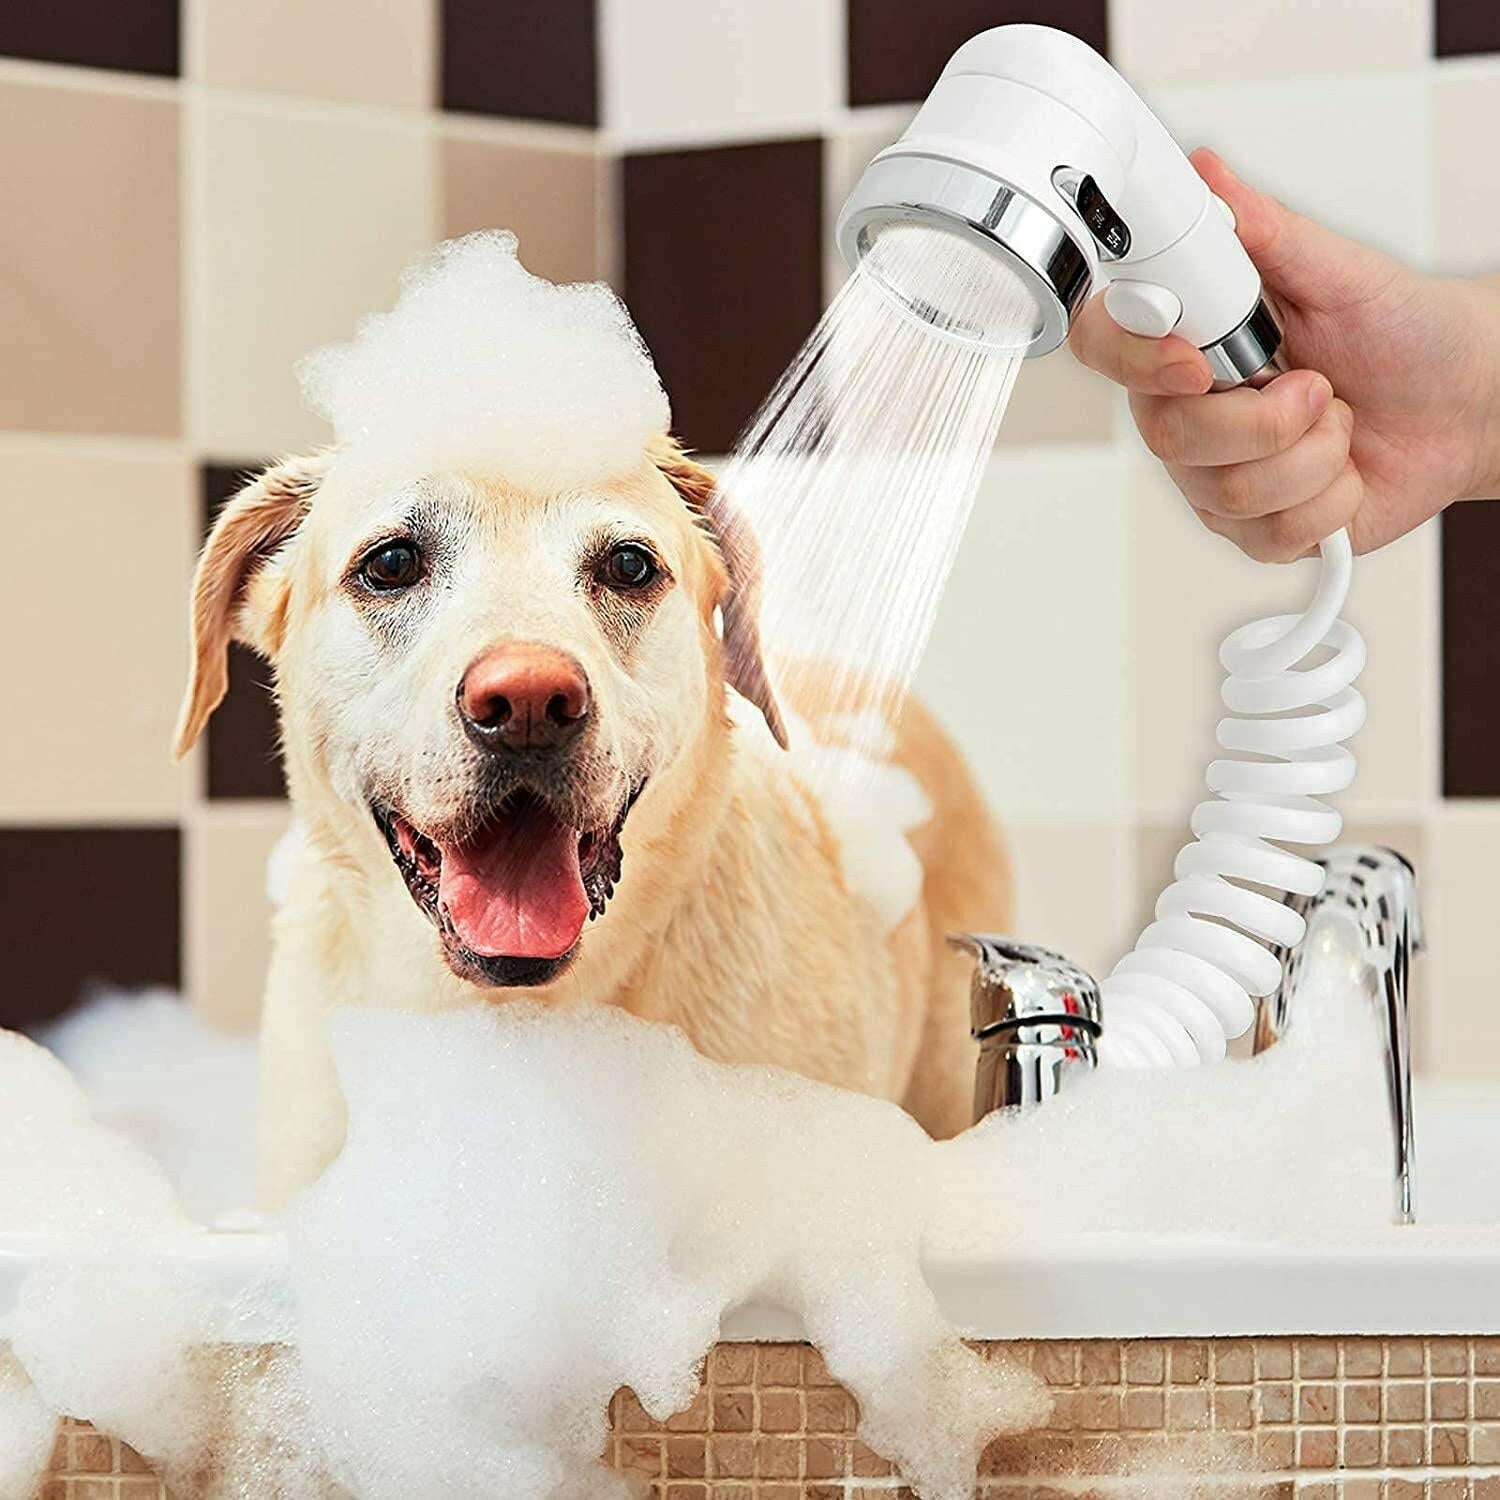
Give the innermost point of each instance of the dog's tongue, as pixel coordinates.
(516, 888)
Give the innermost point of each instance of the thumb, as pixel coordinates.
(1295, 255)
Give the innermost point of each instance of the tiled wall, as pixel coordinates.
(193, 199)
(1226, 1419)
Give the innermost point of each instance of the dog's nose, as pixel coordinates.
(523, 697)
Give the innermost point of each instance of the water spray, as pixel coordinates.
(1032, 163)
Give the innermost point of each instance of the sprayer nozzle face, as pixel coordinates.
(963, 291)
(1006, 239)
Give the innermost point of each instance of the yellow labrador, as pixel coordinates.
(517, 744)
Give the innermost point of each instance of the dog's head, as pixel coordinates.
(493, 677)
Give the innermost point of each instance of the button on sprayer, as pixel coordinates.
(1033, 151)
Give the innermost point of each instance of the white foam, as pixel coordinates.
(158, 1072)
(481, 364)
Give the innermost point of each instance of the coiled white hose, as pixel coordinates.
(1185, 988)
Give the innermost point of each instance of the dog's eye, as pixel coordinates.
(629, 566)
(392, 565)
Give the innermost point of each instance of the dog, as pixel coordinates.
(533, 749)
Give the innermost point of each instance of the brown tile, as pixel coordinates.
(1449, 1400)
(90, 300)
(741, 272)
(778, 1364)
(1145, 1364)
(731, 1457)
(1276, 1448)
(1448, 1356)
(687, 1457)
(1274, 1401)
(693, 1418)
(531, 59)
(1471, 644)
(1463, 27)
(1273, 1359)
(639, 1455)
(1317, 1359)
(1317, 1447)
(135, 36)
(829, 1410)
(93, 1453)
(781, 1411)
(1363, 1358)
(1361, 1448)
(1234, 1410)
(1099, 1362)
(1404, 1357)
(867, 1464)
(1448, 1446)
(92, 1489)
(548, 197)
(1234, 1361)
(1057, 1363)
(1187, 1409)
(1404, 1489)
(731, 1364)
(897, 50)
(1487, 1489)
(1486, 1444)
(814, 1371)
(126, 881)
(632, 1416)
(1405, 1401)
(1448, 1489)
(131, 1462)
(1361, 1403)
(777, 1458)
(824, 1458)
(1318, 1403)
(1097, 1410)
(1143, 1410)
(1188, 1363)
(734, 1410)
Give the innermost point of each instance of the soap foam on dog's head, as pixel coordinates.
(481, 364)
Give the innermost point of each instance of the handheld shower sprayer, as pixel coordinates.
(1034, 158)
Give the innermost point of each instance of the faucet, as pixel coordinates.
(1367, 913)
(1036, 1017)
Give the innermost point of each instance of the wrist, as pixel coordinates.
(1481, 319)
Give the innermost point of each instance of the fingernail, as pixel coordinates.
(1319, 394)
(1184, 378)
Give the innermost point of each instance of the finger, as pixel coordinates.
(1298, 256)
(1264, 486)
(1162, 367)
(1290, 534)
(1232, 427)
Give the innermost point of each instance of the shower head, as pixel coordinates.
(1039, 157)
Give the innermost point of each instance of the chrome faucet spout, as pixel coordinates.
(1368, 909)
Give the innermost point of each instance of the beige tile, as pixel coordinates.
(1282, 134)
(336, 49)
(303, 222)
(97, 617)
(90, 295)
(549, 198)
(1029, 661)
(847, 151)
(678, 70)
(1192, 588)
(1070, 889)
(1058, 400)
(1459, 1029)
(1187, 41)
(1465, 124)
(227, 928)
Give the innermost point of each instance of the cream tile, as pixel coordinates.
(227, 935)
(89, 298)
(1029, 663)
(847, 151)
(1459, 1026)
(336, 49)
(97, 621)
(1353, 153)
(1465, 126)
(1192, 588)
(679, 71)
(1071, 886)
(548, 197)
(303, 220)
(1058, 400)
(1183, 41)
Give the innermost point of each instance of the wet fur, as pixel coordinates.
(732, 919)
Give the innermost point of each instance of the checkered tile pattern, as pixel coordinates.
(195, 198)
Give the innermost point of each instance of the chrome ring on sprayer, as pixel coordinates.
(1249, 354)
(990, 213)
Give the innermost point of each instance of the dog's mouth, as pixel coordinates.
(510, 899)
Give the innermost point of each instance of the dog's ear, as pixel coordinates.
(744, 666)
(250, 529)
